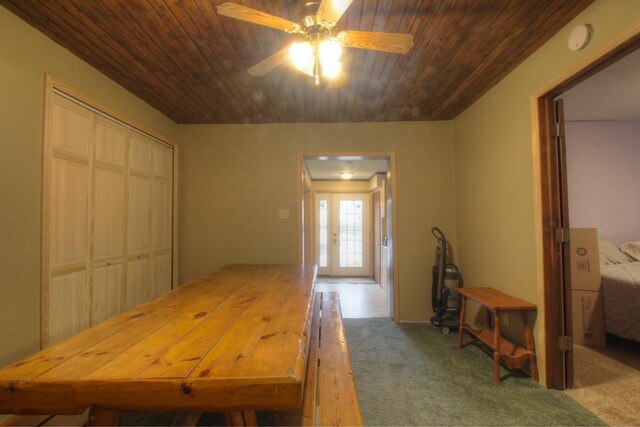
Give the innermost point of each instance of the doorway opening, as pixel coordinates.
(347, 227)
(586, 121)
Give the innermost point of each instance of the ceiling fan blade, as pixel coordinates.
(330, 11)
(243, 13)
(386, 42)
(270, 63)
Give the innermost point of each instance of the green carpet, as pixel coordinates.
(411, 374)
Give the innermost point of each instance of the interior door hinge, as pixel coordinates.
(559, 128)
(566, 343)
(562, 235)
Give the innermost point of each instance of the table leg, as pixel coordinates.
(233, 419)
(187, 418)
(103, 417)
(463, 315)
(496, 347)
(528, 338)
(250, 418)
(237, 418)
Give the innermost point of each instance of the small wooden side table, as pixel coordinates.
(496, 303)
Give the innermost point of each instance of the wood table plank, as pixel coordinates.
(184, 351)
(181, 359)
(92, 358)
(280, 344)
(140, 355)
(50, 357)
(231, 352)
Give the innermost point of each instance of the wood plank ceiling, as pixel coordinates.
(184, 59)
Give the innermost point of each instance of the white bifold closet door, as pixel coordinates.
(108, 215)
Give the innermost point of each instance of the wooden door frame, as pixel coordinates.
(547, 202)
(391, 155)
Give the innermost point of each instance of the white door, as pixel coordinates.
(344, 234)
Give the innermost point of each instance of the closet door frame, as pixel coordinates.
(52, 84)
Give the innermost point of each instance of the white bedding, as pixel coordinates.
(621, 291)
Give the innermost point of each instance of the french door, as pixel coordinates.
(344, 234)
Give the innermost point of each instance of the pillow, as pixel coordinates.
(609, 252)
(632, 249)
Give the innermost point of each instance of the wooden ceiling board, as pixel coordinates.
(190, 63)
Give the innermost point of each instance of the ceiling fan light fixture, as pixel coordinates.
(319, 55)
(302, 57)
(330, 52)
(341, 5)
(346, 175)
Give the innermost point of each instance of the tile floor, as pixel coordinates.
(359, 298)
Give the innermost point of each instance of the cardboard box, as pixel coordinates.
(585, 259)
(588, 318)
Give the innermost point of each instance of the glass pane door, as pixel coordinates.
(343, 234)
(324, 233)
(351, 233)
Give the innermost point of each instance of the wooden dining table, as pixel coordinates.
(232, 340)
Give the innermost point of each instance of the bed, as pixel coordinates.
(620, 271)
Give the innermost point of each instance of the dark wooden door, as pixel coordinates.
(377, 237)
(562, 240)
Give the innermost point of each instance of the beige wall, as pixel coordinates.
(25, 56)
(234, 178)
(494, 163)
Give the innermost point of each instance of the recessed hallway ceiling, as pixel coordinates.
(184, 59)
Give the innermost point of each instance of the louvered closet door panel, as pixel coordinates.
(108, 255)
(161, 220)
(139, 283)
(107, 292)
(69, 205)
(70, 127)
(162, 274)
(110, 142)
(66, 310)
(108, 216)
(163, 161)
(140, 150)
(162, 217)
(68, 305)
(138, 216)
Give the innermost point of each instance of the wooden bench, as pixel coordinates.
(47, 420)
(497, 303)
(330, 397)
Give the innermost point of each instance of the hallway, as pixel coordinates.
(359, 297)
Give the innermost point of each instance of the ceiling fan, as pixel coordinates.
(318, 53)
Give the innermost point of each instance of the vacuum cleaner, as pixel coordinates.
(446, 279)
